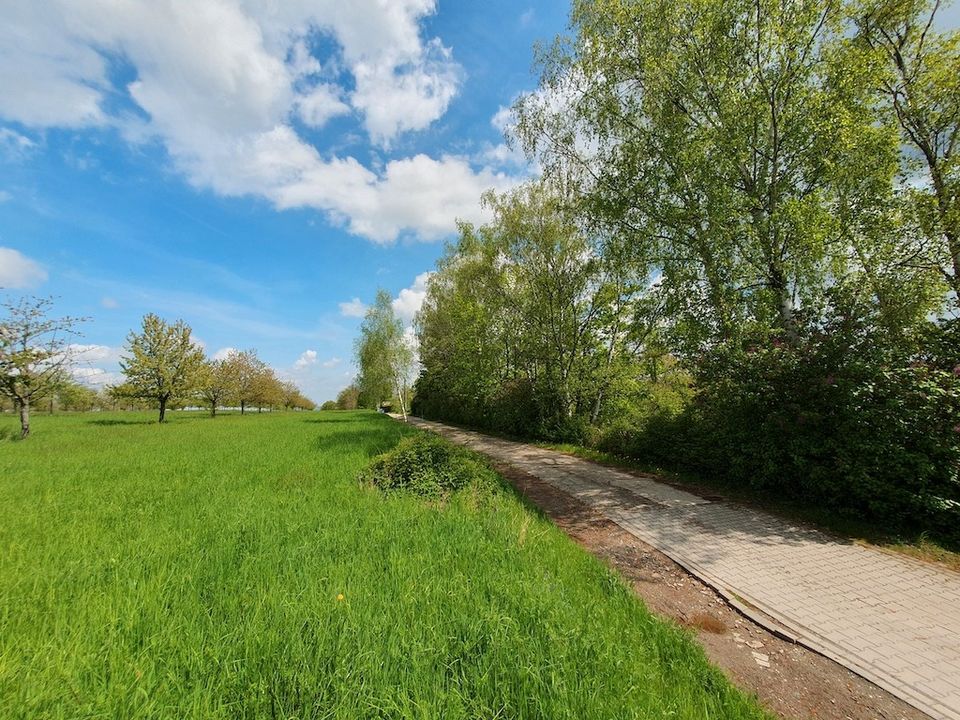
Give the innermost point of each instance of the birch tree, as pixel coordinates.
(384, 355)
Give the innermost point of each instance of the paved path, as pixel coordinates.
(891, 619)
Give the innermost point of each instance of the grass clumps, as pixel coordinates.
(427, 465)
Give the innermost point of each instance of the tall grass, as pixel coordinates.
(235, 568)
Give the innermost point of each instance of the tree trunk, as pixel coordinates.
(243, 407)
(947, 211)
(213, 409)
(403, 405)
(24, 419)
(163, 408)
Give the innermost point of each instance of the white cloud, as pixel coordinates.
(527, 17)
(307, 357)
(320, 104)
(410, 299)
(109, 303)
(17, 271)
(219, 81)
(92, 353)
(87, 363)
(397, 97)
(353, 308)
(224, 353)
(4, 196)
(96, 377)
(332, 362)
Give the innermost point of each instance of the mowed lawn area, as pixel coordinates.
(235, 568)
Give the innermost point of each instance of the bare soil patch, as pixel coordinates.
(790, 680)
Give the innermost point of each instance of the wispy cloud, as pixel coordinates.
(18, 272)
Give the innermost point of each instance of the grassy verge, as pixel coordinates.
(918, 546)
(236, 568)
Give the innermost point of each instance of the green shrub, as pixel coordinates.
(428, 465)
(841, 417)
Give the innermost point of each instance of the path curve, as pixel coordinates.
(888, 618)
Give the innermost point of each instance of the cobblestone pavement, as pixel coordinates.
(891, 619)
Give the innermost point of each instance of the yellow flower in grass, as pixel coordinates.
(340, 597)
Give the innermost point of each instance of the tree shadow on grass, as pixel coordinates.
(108, 423)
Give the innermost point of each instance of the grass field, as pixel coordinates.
(196, 570)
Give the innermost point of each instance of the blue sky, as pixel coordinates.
(258, 169)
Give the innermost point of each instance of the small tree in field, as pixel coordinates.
(163, 363)
(34, 354)
(245, 370)
(215, 384)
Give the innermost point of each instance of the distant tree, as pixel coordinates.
(244, 369)
(266, 389)
(384, 354)
(289, 394)
(329, 405)
(215, 384)
(349, 398)
(163, 364)
(74, 396)
(34, 354)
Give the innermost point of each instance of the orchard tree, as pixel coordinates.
(383, 354)
(74, 396)
(215, 384)
(265, 390)
(245, 369)
(162, 363)
(35, 354)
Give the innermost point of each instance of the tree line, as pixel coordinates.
(741, 257)
(163, 368)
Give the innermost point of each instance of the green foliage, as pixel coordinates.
(162, 363)
(846, 418)
(348, 398)
(383, 355)
(34, 354)
(728, 265)
(527, 323)
(428, 465)
(329, 405)
(195, 573)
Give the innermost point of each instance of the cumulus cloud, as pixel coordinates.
(320, 104)
(221, 82)
(95, 365)
(93, 353)
(353, 308)
(307, 358)
(410, 299)
(18, 272)
(332, 362)
(96, 377)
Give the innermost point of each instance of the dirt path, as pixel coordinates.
(892, 620)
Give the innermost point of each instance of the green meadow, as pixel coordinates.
(235, 568)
